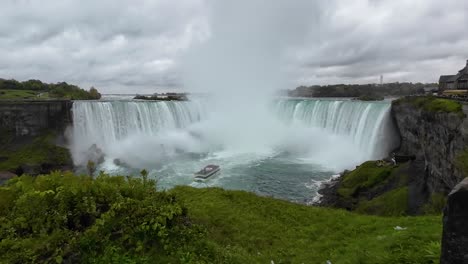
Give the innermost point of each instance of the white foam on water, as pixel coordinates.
(174, 139)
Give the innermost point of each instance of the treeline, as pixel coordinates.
(61, 90)
(358, 90)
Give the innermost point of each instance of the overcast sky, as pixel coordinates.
(143, 45)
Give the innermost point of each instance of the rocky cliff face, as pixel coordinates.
(437, 139)
(32, 137)
(29, 118)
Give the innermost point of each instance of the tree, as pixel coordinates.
(94, 93)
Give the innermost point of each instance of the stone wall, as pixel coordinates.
(29, 118)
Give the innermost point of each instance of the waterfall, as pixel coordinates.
(109, 122)
(361, 129)
(367, 124)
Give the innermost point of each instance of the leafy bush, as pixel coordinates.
(78, 219)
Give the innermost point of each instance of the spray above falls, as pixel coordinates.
(334, 134)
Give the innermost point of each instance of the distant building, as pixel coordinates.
(431, 90)
(454, 82)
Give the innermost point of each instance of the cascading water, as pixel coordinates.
(108, 124)
(363, 123)
(285, 152)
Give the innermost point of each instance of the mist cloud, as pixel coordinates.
(140, 46)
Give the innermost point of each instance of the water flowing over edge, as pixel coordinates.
(329, 135)
(367, 124)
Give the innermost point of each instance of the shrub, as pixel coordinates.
(78, 219)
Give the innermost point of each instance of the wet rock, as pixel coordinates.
(455, 230)
(120, 162)
(95, 154)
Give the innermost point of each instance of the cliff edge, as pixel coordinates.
(431, 160)
(435, 131)
(32, 136)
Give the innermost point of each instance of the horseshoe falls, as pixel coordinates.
(285, 152)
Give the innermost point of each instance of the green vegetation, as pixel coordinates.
(370, 98)
(392, 203)
(364, 177)
(77, 219)
(41, 150)
(358, 90)
(21, 94)
(436, 204)
(35, 89)
(378, 188)
(62, 218)
(254, 229)
(433, 104)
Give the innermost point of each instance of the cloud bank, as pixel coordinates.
(123, 46)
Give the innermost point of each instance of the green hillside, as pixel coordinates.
(62, 218)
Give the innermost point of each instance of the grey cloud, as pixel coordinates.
(399, 39)
(113, 44)
(143, 45)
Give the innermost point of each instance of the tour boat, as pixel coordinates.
(207, 172)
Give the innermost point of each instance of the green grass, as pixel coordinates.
(41, 150)
(363, 177)
(22, 94)
(392, 203)
(18, 94)
(251, 229)
(436, 204)
(61, 217)
(433, 104)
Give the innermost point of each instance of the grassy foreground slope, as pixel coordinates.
(63, 218)
(258, 230)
